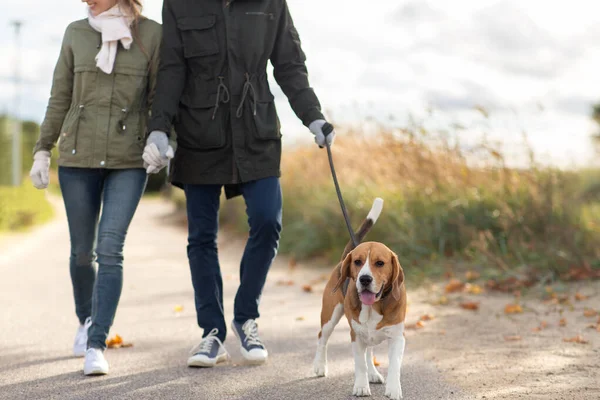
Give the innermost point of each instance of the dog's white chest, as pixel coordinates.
(366, 327)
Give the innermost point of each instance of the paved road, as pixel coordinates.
(37, 325)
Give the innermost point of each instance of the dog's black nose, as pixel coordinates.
(365, 280)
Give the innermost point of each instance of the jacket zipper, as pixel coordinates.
(260, 13)
(227, 10)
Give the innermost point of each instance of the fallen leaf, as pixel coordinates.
(300, 319)
(473, 289)
(454, 286)
(543, 325)
(178, 309)
(577, 339)
(562, 322)
(588, 312)
(292, 264)
(125, 345)
(514, 338)
(470, 306)
(510, 284)
(442, 301)
(472, 275)
(593, 326)
(580, 297)
(375, 362)
(285, 283)
(114, 342)
(427, 317)
(307, 288)
(513, 309)
(418, 325)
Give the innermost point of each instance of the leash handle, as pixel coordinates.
(327, 129)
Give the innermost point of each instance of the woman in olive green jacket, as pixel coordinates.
(101, 94)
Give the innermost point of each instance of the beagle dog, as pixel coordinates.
(368, 287)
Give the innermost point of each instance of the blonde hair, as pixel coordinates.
(134, 8)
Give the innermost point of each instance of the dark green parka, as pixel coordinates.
(212, 85)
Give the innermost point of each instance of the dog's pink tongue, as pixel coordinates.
(367, 298)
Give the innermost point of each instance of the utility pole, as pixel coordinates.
(16, 137)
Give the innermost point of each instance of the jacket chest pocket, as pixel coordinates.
(199, 36)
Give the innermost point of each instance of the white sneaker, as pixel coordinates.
(95, 363)
(81, 338)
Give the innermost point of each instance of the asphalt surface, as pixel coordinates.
(38, 324)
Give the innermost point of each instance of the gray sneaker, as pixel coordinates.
(252, 348)
(209, 352)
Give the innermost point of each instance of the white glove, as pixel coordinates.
(316, 127)
(157, 152)
(39, 170)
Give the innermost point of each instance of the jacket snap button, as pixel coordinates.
(102, 163)
(73, 151)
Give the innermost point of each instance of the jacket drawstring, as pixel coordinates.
(247, 87)
(226, 96)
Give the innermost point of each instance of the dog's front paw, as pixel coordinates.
(361, 390)
(320, 368)
(375, 377)
(394, 392)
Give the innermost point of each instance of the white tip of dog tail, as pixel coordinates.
(375, 210)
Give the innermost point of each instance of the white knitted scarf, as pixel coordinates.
(114, 25)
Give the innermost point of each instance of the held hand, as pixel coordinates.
(157, 152)
(316, 127)
(40, 169)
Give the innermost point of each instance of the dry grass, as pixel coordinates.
(441, 204)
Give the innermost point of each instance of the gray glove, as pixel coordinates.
(157, 152)
(316, 127)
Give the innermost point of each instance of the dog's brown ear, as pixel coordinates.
(344, 272)
(397, 277)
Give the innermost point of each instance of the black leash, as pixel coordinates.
(327, 129)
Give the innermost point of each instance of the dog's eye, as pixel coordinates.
(380, 263)
(358, 263)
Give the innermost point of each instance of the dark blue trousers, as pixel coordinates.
(264, 208)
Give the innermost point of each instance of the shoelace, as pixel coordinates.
(250, 329)
(226, 97)
(247, 88)
(205, 346)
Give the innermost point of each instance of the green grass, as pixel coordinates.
(22, 207)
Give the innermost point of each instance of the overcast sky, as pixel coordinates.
(533, 64)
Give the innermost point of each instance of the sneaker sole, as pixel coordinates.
(96, 372)
(245, 352)
(206, 364)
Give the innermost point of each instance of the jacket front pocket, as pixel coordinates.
(199, 36)
(126, 141)
(70, 130)
(201, 127)
(266, 122)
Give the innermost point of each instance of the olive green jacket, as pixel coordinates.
(98, 119)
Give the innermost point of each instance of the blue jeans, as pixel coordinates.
(263, 207)
(86, 192)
